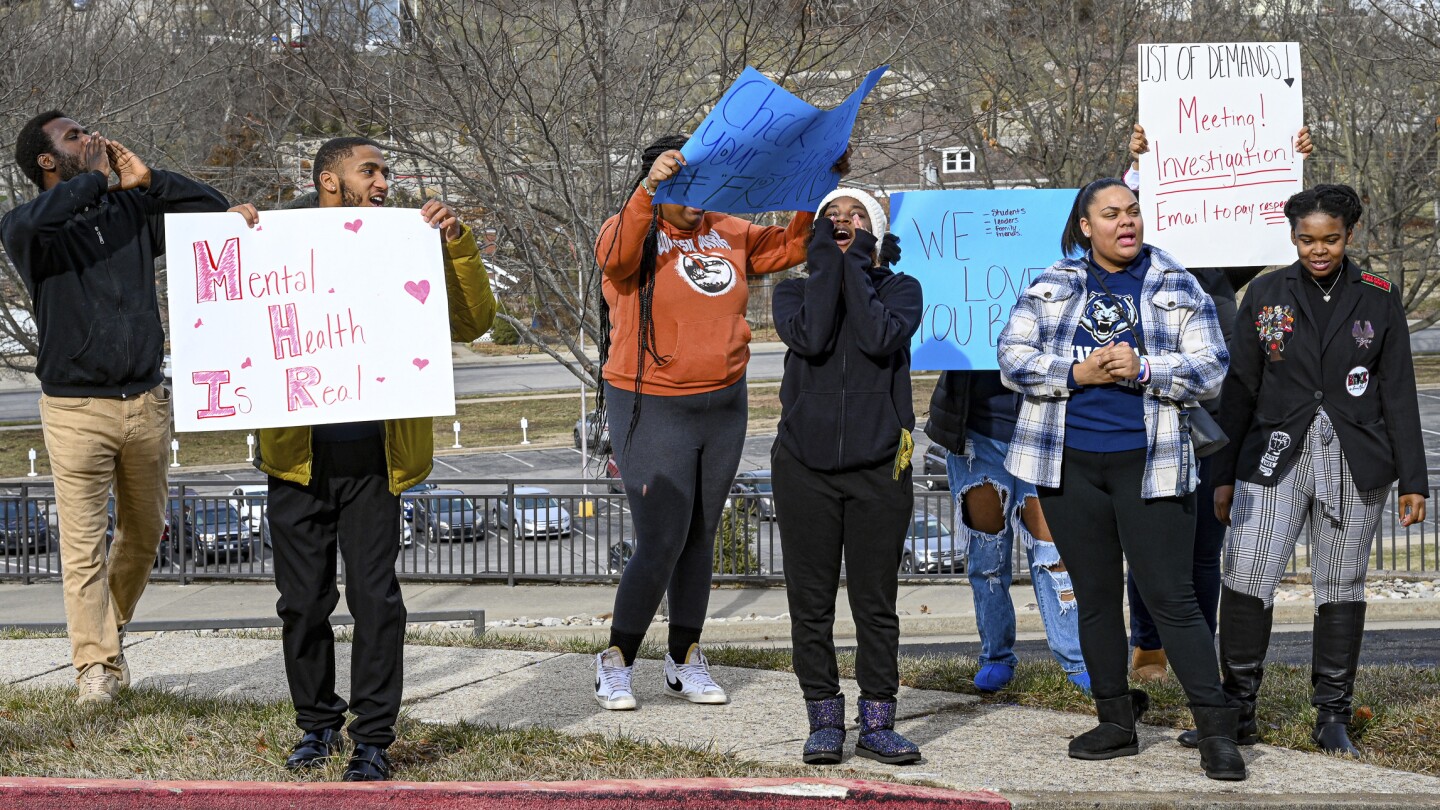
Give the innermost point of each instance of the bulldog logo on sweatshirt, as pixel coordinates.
(709, 275)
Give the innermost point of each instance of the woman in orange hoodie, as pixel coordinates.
(675, 288)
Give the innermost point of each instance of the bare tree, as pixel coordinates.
(533, 115)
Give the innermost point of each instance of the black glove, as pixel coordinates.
(889, 250)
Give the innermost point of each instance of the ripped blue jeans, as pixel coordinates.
(988, 561)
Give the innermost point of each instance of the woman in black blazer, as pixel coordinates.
(1321, 409)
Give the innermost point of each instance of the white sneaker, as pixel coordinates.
(97, 687)
(691, 680)
(612, 681)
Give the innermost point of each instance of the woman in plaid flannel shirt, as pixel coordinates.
(1106, 348)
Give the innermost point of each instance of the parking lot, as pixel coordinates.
(461, 529)
(476, 499)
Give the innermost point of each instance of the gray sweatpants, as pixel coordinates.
(677, 469)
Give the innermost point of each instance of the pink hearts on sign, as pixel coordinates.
(420, 290)
(246, 364)
(199, 323)
(420, 363)
(354, 227)
(332, 289)
(379, 379)
(259, 227)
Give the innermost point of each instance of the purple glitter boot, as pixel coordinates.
(878, 740)
(826, 744)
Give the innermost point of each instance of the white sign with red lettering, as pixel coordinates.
(314, 316)
(1221, 120)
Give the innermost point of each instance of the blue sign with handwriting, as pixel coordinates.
(974, 252)
(763, 149)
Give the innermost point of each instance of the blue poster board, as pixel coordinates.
(974, 252)
(763, 149)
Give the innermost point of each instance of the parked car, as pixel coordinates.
(407, 498)
(934, 464)
(930, 548)
(612, 474)
(173, 548)
(756, 493)
(534, 513)
(221, 532)
(23, 527)
(250, 500)
(620, 555)
(598, 437)
(448, 514)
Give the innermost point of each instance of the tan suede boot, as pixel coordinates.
(1148, 665)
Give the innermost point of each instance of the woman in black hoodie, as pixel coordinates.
(841, 466)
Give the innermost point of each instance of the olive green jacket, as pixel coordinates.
(409, 443)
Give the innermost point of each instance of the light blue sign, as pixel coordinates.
(974, 252)
(763, 149)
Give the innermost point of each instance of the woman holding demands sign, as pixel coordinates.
(1321, 408)
(674, 367)
(1105, 348)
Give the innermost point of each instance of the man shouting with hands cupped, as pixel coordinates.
(85, 249)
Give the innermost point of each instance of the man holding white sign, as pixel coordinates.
(85, 250)
(339, 485)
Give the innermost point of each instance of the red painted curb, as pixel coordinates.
(754, 794)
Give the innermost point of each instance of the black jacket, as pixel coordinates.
(1282, 371)
(87, 258)
(845, 396)
(949, 410)
(1220, 283)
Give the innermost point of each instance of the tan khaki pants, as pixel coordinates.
(95, 444)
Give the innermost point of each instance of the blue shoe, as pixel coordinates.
(1081, 681)
(994, 677)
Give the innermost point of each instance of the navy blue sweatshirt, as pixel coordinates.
(87, 258)
(845, 396)
(1108, 418)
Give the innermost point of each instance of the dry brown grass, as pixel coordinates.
(151, 734)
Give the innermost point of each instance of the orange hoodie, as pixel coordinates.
(701, 293)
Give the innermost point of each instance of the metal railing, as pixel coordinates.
(477, 529)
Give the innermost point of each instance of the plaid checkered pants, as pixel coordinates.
(1317, 489)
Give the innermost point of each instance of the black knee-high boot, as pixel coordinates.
(1339, 629)
(1245, 625)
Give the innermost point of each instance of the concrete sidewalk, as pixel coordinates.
(736, 614)
(968, 746)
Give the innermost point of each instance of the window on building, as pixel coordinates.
(957, 159)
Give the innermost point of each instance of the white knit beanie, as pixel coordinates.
(879, 223)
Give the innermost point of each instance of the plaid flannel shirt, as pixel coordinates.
(1187, 362)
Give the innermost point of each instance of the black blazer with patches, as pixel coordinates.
(1359, 370)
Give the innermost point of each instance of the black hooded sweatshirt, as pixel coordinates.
(87, 258)
(845, 396)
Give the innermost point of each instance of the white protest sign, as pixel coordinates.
(1221, 120)
(315, 316)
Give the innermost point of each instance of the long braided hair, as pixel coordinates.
(645, 343)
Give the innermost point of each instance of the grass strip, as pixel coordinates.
(491, 422)
(152, 734)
